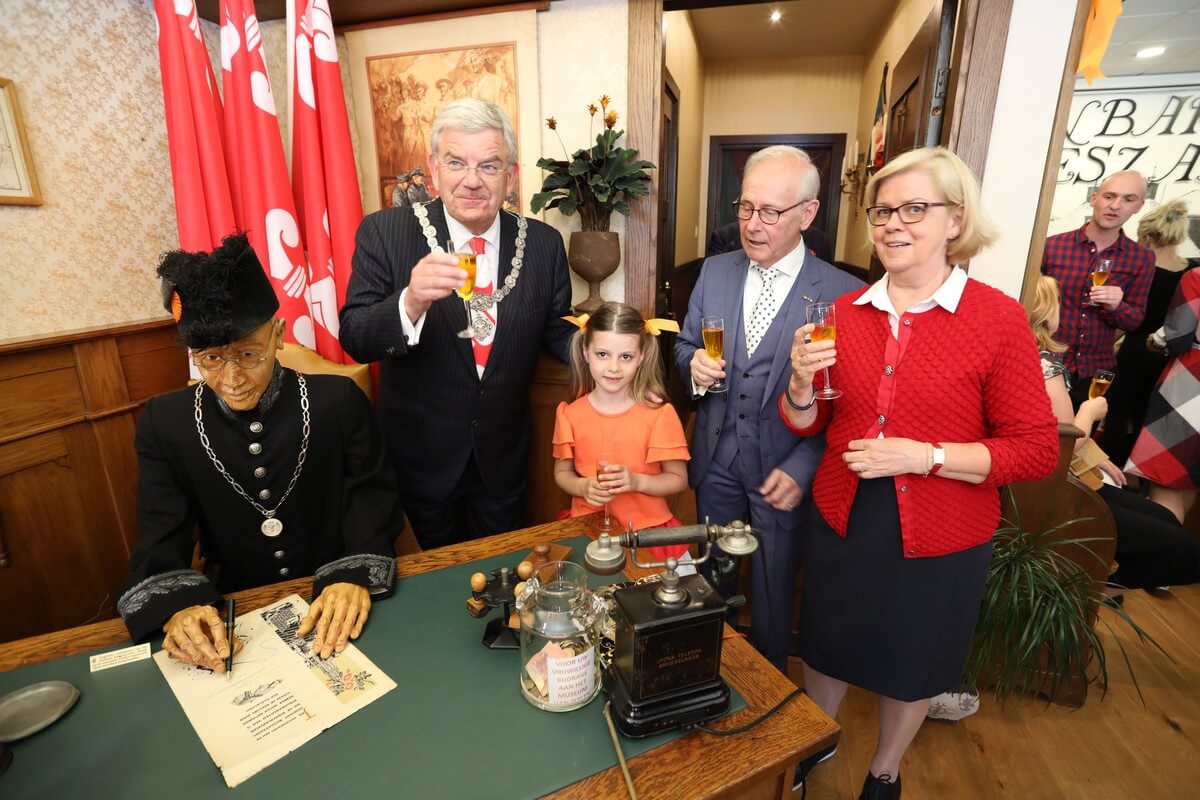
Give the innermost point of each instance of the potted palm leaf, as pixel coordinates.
(1037, 621)
(593, 182)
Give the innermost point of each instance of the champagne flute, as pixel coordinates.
(1100, 383)
(467, 263)
(822, 315)
(602, 462)
(712, 329)
(1100, 274)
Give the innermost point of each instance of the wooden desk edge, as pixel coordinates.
(796, 731)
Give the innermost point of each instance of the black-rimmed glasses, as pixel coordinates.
(909, 212)
(488, 171)
(768, 216)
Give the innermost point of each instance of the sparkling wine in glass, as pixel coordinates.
(712, 329)
(467, 263)
(602, 462)
(822, 316)
(1100, 383)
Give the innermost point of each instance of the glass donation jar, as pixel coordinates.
(560, 670)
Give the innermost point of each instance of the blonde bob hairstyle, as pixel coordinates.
(1045, 307)
(1165, 226)
(957, 186)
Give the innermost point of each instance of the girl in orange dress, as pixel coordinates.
(618, 418)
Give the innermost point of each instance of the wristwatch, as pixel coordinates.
(939, 458)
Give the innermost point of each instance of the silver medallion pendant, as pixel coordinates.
(271, 527)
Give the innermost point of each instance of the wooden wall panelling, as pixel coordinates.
(68, 469)
(152, 361)
(551, 386)
(645, 82)
(65, 561)
(38, 392)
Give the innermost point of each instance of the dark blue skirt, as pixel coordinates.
(900, 627)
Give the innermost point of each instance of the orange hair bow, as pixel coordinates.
(579, 322)
(656, 326)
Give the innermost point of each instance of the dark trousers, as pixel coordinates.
(470, 512)
(725, 495)
(1153, 549)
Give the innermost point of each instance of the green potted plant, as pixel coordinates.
(593, 182)
(1036, 631)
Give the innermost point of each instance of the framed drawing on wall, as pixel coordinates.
(400, 84)
(18, 180)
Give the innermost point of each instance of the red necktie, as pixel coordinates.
(482, 349)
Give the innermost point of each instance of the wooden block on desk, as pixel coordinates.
(545, 553)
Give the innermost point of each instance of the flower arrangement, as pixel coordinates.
(594, 182)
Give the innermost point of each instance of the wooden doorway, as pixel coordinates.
(668, 178)
(727, 160)
(920, 83)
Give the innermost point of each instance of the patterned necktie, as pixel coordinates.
(764, 308)
(483, 349)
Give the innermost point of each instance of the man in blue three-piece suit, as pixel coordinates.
(745, 462)
(455, 409)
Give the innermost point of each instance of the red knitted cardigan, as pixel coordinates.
(968, 376)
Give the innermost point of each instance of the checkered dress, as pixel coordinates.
(1168, 448)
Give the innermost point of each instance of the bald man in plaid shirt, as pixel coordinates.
(1092, 317)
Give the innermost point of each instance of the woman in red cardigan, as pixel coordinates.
(943, 403)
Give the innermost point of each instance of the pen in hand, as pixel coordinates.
(230, 617)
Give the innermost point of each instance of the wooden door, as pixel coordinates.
(919, 84)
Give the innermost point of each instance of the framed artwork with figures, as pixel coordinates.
(400, 83)
(408, 90)
(18, 180)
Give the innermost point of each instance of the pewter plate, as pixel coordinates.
(27, 711)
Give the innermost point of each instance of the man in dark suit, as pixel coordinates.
(455, 411)
(744, 461)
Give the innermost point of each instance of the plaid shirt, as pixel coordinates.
(1090, 331)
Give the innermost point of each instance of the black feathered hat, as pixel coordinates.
(218, 297)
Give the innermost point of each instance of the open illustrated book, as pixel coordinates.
(281, 695)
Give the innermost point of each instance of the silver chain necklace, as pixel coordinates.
(480, 302)
(271, 526)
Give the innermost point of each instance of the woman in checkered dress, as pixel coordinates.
(1167, 451)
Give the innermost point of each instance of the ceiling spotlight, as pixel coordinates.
(1151, 52)
(776, 15)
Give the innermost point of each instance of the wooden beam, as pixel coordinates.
(645, 129)
(981, 37)
(1037, 242)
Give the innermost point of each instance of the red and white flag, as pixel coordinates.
(262, 198)
(324, 178)
(203, 206)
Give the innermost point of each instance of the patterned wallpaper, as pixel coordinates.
(87, 77)
(86, 74)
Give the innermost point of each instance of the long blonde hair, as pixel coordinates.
(624, 319)
(1045, 306)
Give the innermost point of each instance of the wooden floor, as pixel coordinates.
(1113, 748)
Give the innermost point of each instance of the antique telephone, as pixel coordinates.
(666, 665)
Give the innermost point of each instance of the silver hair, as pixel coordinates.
(810, 180)
(472, 115)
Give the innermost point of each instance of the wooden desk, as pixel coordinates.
(755, 764)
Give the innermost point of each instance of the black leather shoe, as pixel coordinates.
(805, 766)
(879, 789)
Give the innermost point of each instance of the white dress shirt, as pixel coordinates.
(485, 271)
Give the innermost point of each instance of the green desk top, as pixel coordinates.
(456, 726)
